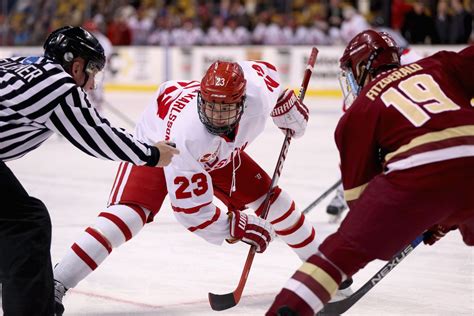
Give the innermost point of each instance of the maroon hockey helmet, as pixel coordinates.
(222, 95)
(368, 52)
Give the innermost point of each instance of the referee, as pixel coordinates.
(40, 96)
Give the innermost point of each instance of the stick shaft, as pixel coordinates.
(321, 197)
(342, 306)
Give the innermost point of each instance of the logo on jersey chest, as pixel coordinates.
(211, 161)
(211, 157)
(208, 157)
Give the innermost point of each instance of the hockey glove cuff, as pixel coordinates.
(435, 233)
(251, 229)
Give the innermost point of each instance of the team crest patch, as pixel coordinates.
(208, 157)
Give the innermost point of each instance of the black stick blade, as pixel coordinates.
(338, 307)
(220, 302)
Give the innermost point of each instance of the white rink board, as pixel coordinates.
(166, 270)
(143, 68)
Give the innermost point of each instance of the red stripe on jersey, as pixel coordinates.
(292, 229)
(276, 194)
(189, 84)
(284, 216)
(120, 177)
(315, 287)
(269, 66)
(139, 211)
(120, 224)
(306, 241)
(207, 223)
(191, 210)
(84, 256)
(164, 104)
(100, 238)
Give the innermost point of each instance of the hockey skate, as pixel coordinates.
(59, 292)
(337, 205)
(344, 291)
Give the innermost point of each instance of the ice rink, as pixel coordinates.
(166, 270)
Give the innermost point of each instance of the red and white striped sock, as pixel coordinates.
(290, 224)
(113, 227)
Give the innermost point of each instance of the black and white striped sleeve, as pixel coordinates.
(77, 120)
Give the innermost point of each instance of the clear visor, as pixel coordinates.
(350, 88)
(94, 70)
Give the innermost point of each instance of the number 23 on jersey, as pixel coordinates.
(197, 185)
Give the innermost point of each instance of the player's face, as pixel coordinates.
(350, 85)
(79, 71)
(220, 114)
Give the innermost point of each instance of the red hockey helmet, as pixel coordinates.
(369, 52)
(222, 96)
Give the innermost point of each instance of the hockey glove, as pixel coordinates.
(435, 233)
(251, 229)
(290, 113)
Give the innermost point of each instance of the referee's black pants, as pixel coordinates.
(25, 239)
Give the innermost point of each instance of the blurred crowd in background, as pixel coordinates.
(239, 22)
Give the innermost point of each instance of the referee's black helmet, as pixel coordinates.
(68, 42)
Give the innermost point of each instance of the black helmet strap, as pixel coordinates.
(367, 70)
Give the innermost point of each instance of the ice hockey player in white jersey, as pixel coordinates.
(211, 122)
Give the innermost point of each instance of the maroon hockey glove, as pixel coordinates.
(435, 233)
(251, 229)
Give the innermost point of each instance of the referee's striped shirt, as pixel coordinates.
(37, 98)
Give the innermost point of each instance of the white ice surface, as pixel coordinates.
(166, 270)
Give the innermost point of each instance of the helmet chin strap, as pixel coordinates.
(87, 76)
(366, 71)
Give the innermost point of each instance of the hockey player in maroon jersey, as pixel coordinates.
(338, 204)
(407, 162)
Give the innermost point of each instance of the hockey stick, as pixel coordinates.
(221, 302)
(119, 114)
(322, 196)
(339, 307)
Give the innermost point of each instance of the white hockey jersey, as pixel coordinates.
(174, 117)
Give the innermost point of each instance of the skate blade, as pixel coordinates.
(334, 219)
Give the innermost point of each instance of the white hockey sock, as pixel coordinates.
(290, 224)
(112, 228)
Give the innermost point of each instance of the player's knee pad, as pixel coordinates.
(119, 223)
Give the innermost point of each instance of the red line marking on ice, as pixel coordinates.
(125, 301)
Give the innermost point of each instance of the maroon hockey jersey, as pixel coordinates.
(419, 114)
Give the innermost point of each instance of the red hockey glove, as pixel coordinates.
(435, 233)
(290, 113)
(251, 229)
